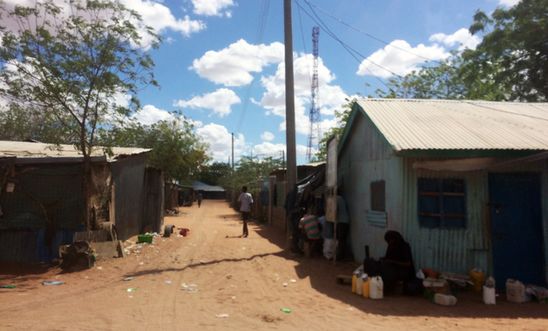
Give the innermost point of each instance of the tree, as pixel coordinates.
(71, 61)
(439, 81)
(511, 62)
(176, 149)
(212, 174)
(17, 123)
(248, 171)
(342, 117)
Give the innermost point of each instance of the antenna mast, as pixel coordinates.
(314, 113)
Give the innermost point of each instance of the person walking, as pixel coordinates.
(246, 200)
(200, 197)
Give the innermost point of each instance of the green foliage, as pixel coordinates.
(69, 61)
(249, 171)
(511, 63)
(17, 123)
(342, 117)
(212, 174)
(176, 149)
(441, 81)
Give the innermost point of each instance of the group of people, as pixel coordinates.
(395, 267)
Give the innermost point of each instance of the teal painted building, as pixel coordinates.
(465, 182)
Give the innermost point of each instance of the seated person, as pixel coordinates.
(396, 265)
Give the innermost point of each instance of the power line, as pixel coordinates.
(367, 34)
(350, 50)
(263, 17)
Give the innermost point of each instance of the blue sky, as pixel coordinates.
(221, 62)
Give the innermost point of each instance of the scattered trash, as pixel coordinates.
(284, 284)
(52, 282)
(141, 263)
(292, 280)
(8, 286)
(145, 238)
(131, 289)
(540, 293)
(168, 282)
(445, 299)
(233, 297)
(222, 315)
(77, 256)
(184, 232)
(99, 268)
(127, 279)
(189, 287)
(286, 310)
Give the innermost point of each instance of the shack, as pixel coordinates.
(208, 191)
(465, 182)
(42, 200)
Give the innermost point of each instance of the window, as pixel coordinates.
(441, 203)
(376, 216)
(377, 196)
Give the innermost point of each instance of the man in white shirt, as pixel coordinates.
(246, 200)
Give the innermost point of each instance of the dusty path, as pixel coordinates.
(231, 284)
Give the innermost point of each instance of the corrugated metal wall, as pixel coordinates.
(367, 157)
(54, 188)
(453, 250)
(128, 176)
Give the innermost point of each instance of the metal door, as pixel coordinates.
(516, 228)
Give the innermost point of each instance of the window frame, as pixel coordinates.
(442, 218)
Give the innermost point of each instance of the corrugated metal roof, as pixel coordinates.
(200, 186)
(21, 149)
(459, 124)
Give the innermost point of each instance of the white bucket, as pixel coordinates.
(489, 296)
(376, 288)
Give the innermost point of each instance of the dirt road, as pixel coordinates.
(213, 280)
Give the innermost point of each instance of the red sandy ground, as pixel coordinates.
(240, 286)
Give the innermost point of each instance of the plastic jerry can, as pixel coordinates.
(489, 296)
(376, 288)
(354, 280)
(515, 291)
(445, 300)
(366, 286)
(478, 278)
(359, 285)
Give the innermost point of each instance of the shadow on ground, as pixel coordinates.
(322, 275)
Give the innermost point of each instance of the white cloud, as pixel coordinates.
(212, 7)
(153, 13)
(160, 18)
(232, 66)
(219, 101)
(220, 142)
(399, 57)
(330, 96)
(267, 136)
(461, 38)
(508, 3)
(149, 114)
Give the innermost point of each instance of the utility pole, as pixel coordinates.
(232, 151)
(289, 99)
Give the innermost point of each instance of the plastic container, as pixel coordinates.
(515, 291)
(489, 295)
(445, 299)
(354, 280)
(376, 288)
(366, 286)
(359, 285)
(478, 278)
(144, 238)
